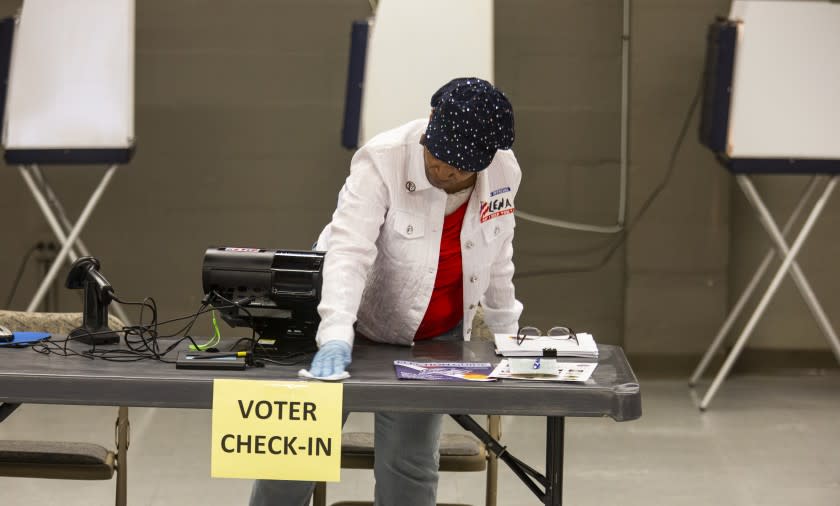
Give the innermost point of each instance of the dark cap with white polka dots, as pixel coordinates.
(471, 120)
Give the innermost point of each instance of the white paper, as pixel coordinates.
(566, 371)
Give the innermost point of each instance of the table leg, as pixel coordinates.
(555, 428)
(122, 437)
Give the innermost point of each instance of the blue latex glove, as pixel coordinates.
(332, 358)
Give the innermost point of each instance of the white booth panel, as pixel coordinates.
(786, 83)
(71, 82)
(414, 49)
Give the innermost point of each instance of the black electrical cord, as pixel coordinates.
(150, 346)
(19, 274)
(253, 338)
(290, 358)
(622, 236)
(141, 339)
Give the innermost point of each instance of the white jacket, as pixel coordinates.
(384, 240)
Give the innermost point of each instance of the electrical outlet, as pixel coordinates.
(46, 250)
(46, 246)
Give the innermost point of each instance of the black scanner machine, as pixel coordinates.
(273, 291)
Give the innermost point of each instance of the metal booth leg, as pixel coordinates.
(44, 205)
(70, 240)
(801, 282)
(71, 237)
(59, 213)
(788, 261)
(751, 286)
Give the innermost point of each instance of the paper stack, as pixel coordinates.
(538, 346)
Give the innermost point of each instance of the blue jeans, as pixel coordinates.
(405, 467)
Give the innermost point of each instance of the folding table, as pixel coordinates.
(612, 391)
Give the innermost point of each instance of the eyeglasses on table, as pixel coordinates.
(558, 333)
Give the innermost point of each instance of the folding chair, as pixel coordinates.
(61, 459)
(769, 116)
(69, 460)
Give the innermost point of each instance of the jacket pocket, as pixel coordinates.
(402, 237)
(497, 228)
(409, 225)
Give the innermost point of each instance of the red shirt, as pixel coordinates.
(446, 307)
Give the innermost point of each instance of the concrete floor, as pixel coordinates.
(767, 440)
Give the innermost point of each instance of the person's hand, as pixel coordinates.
(332, 359)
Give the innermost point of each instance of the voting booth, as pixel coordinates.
(772, 106)
(69, 101)
(397, 61)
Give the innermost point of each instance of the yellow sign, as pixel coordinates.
(276, 430)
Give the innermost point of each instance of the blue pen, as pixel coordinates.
(537, 363)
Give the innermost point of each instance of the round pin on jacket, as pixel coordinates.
(410, 186)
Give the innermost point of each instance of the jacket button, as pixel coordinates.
(468, 245)
(472, 306)
(473, 278)
(410, 186)
(409, 230)
(496, 231)
(469, 330)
